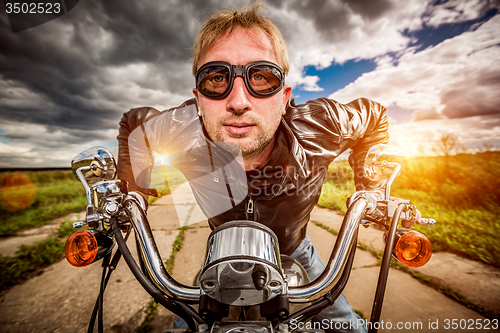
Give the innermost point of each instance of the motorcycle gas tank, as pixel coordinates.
(242, 264)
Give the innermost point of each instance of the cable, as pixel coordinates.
(100, 318)
(182, 310)
(111, 267)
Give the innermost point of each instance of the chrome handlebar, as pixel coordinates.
(151, 256)
(307, 293)
(338, 258)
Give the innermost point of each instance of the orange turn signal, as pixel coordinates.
(81, 248)
(413, 249)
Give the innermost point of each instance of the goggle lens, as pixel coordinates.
(262, 78)
(213, 81)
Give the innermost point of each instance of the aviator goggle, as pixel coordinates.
(262, 78)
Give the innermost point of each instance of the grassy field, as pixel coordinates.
(462, 192)
(33, 198)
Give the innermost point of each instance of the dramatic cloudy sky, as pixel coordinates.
(64, 85)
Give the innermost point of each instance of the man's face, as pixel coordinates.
(240, 118)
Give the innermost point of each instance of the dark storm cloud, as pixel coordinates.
(333, 18)
(146, 34)
(329, 18)
(477, 97)
(48, 138)
(66, 83)
(469, 103)
(64, 62)
(369, 9)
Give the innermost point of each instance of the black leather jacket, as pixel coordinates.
(310, 137)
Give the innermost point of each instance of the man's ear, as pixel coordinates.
(287, 92)
(195, 93)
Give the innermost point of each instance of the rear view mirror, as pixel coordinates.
(381, 161)
(101, 163)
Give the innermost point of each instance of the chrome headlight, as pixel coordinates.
(242, 264)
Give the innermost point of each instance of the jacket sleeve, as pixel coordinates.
(368, 127)
(326, 128)
(130, 121)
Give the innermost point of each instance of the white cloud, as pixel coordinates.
(455, 11)
(13, 148)
(316, 39)
(459, 77)
(359, 37)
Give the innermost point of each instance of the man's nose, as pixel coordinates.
(238, 99)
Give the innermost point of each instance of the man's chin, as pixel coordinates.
(250, 144)
(243, 142)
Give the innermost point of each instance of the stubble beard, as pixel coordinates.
(265, 136)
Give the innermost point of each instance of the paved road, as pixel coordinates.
(61, 299)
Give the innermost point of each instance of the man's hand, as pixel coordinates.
(374, 196)
(409, 223)
(141, 198)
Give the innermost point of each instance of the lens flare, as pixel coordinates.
(18, 191)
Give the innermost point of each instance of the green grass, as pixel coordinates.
(338, 186)
(177, 246)
(461, 192)
(147, 325)
(34, 199)
(31, 259)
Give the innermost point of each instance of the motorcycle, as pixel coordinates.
(243, 271)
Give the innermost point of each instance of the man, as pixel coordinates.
(239, 63)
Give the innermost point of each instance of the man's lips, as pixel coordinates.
(238, 128)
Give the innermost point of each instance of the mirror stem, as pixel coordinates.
(391, 179)
(91, 216)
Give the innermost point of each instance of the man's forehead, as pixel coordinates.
(240, 47)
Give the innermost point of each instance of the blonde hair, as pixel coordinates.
(226, 21)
